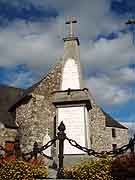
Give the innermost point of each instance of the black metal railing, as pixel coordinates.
(61, 137)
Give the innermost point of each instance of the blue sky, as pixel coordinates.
(31, 30)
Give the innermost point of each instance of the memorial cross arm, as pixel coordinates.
(71, 21)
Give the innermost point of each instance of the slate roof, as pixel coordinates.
(8, 95)
(24, 94)
(110, 122)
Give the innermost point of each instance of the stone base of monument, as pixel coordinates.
(70, 160)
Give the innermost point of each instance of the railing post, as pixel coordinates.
(61, 137)
(131, 143)
(134, 143)
(35, 150)
(17, 149)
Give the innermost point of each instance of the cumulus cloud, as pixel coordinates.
(107, 54)
(22, 79)
(39, 44)
(23, 43)
(108, 93)
(122, 76)
(34, 42)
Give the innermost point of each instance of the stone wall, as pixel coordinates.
(120, 139)
(38, 114)
(7, 134)
(97, 128)
(101, 136)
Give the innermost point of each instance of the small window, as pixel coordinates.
(113, 133)
(114, 146)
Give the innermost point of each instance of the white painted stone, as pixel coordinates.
(45, 140)
(74, 120)
(1, 125)
(70, 77)
(87, 129)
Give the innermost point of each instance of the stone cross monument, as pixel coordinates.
(71, 100)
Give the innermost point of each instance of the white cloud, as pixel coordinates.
(122, 76)
(39, 44)
(107, 93)
(19, 45)
(23, 43)
(107, 54)
(22, 79)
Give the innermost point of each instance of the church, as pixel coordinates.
(31, 114)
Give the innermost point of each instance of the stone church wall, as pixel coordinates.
(120, 139)
(101, 136)
(38, 114)
(7, 134)
(97, 120)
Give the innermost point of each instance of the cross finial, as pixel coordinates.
(71, 21)
(130, 21)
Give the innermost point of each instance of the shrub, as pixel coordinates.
(94, 170)
(20, 170)
(124, 165)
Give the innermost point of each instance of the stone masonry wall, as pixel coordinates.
(38, 114)
(7, 134)
(97, 128)
(101, 136)
(120, 139)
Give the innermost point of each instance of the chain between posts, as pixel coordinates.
(27, 156)
(90, 152)
(37, 150)
(115, 152)
(61, 137)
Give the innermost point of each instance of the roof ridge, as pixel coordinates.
(7, 86)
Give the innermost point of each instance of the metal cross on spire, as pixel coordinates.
(132, 22)
(71, 21)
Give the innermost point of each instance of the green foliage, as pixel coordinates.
(99, 169)
(20, 170)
